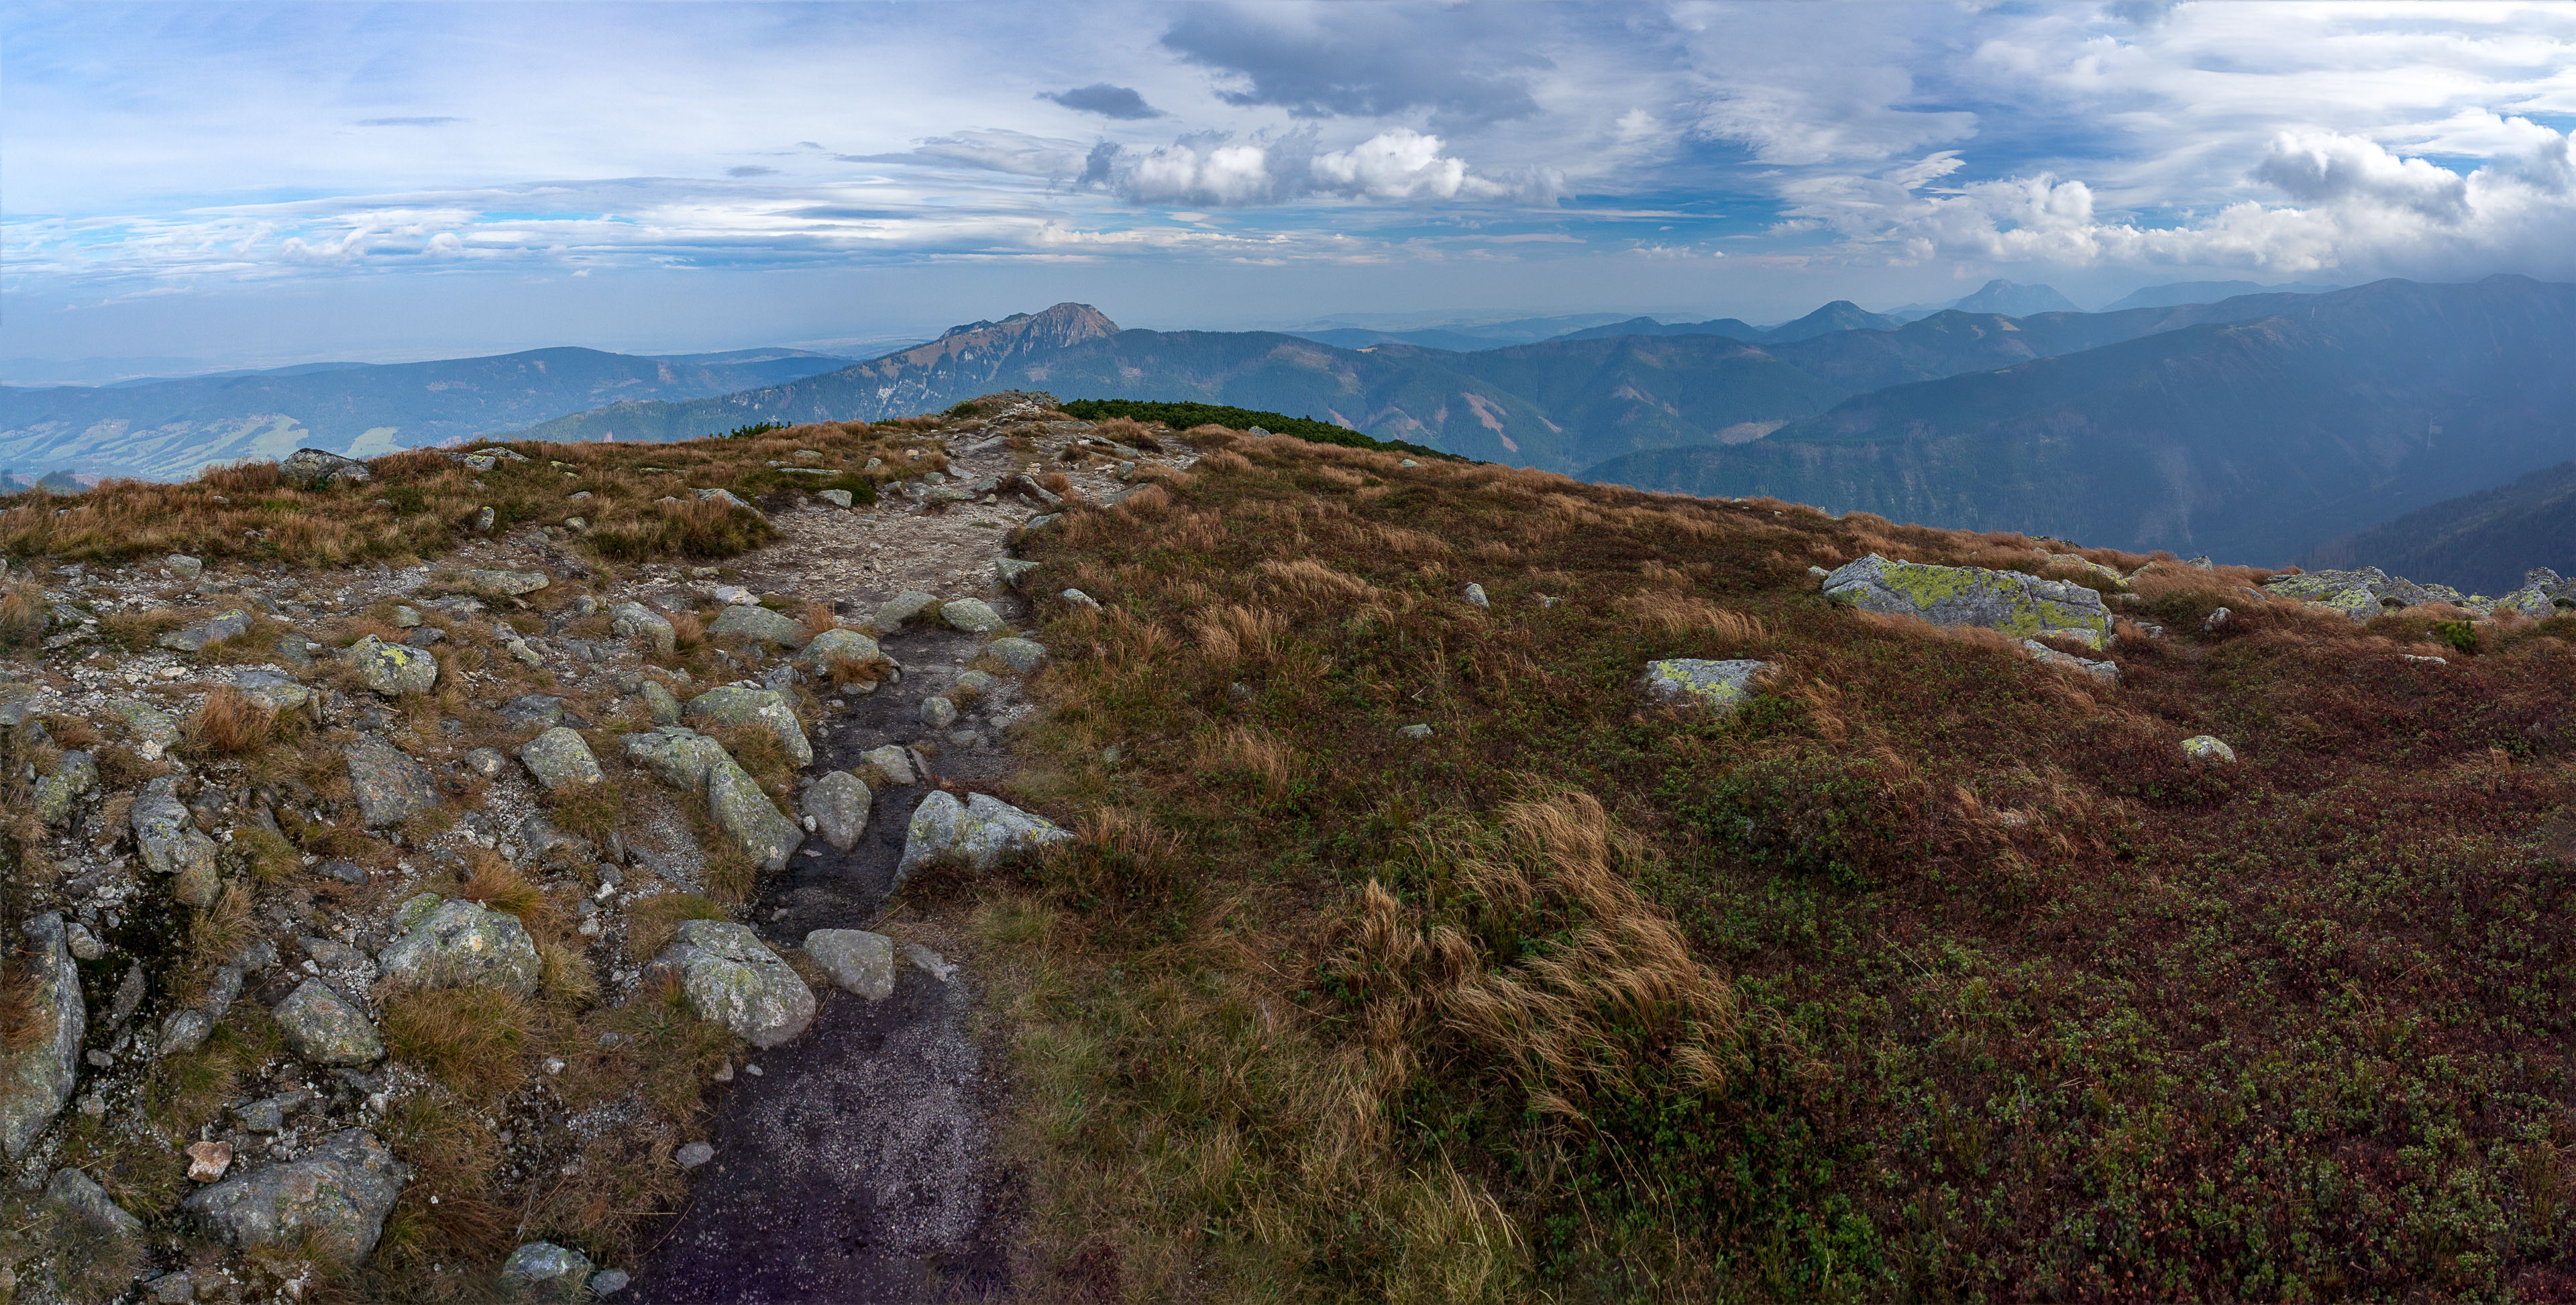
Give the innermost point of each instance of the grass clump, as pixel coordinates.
(472, 1039)
(1184, 416)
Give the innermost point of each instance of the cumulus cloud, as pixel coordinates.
(2324, 168)
(1108, 101)
(1319, 61)
(1216, 170)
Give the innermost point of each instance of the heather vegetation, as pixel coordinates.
(1935, 971)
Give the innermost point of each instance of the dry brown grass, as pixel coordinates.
(230, 723)
(1676, 613)
(475, 1040)
(497, 884)
(22, 614)
(21, 1024)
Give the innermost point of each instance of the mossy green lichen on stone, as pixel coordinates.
(1720, 685)
(2024, 606)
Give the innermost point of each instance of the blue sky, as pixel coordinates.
(253, 184)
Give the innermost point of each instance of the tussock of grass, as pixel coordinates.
(1931, 972)
(230, 722)
(22, 614)
(474, 1040)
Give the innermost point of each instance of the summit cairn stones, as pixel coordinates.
(2023, 606)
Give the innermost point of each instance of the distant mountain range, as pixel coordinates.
(2003, 297)
(164, 429)
(2252, 440)
(2481, 542)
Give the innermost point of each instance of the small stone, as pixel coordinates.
(460, 944)
(659, 704)
(166, 836)
(2206, 747)
(836, 497)
(901, 609)
(1008, 570)
(693, 1155)
(207, 1161)
(390, 787)
(487, 762)
(84, 945)
(184, 566)
(938, 713)
(609, 1282)
(1079, 599)
(1415, 732)
(172, 1289)
(637, 623)
(206, 634)
(406, 617)
(1408, 462)
(503, 584)
(2216, 620)
(347, 872)
(1475, 594)
(761, 624)
(73, 775)
(1722, 686)
(559, 759)
(534, 711)
(544, 1272)
(889, 764)
(970, 616)
(837, 648)
(484, 520)
(930, 962)
(326, 1028)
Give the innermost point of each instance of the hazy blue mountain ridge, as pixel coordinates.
(2482, 543)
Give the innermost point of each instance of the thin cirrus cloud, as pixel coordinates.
(1845, 145)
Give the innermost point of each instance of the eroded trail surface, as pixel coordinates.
(858, 1162)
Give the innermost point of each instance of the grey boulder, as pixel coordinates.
(742, 621)
(902, 609)
(733, 979)
(970, 616)
(391, 787)
(859, 961)
(272, 691)
(392, 669)
(692, 762)
(206, 634)
(37, 1079)
(317, 467)
(2015, 604)
(504, 584)
(326, 1028)
(560, 759)
(889, 763)
(170, 842)
(838, 805)
(765, 708)
(74, 774)
(332, 1202)
(977, 833)
(641, 624)
(833, 647)
(659, 704)
(79, 1197)
(1021, 655)
(461, 944)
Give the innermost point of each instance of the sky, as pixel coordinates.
(257, 184)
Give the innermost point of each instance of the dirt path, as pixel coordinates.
(858, 1163)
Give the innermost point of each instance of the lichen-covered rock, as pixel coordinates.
(838, 805)
(2542, 595)
(79, 1198)
(902, 609)
(184, 566)
(1021, 655)
(74, 774)
(37, 1079)
(938, 712)
(503, 584)
(390, 787)
(2207, 747)
(745, 622)
(2106, 671)
(272, 690)
(859, 961)
(734, 979)
(313, 467)
(977, 833)
(331, 1202)
(560, 759)
(171, 843)
(154, 730)
(835, 497)
(206, 634)
(392, 669)
(1721, 686)
(834, 647)
(1008, 570)
(641, 624)
(889, 764)
(2356, 594)
(676, 755)
(731, 500)
(2020, 605)
(766, 708)
(533, 711)
(746, 814)
(326, 1028)
(970, 616)
(659, 704)
(460, 944)
(542, 1273)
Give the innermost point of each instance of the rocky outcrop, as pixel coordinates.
(2023, 606)
(37, 1079)
(332, 1202)
(977, 833)
(460, 944)
(734, 979)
